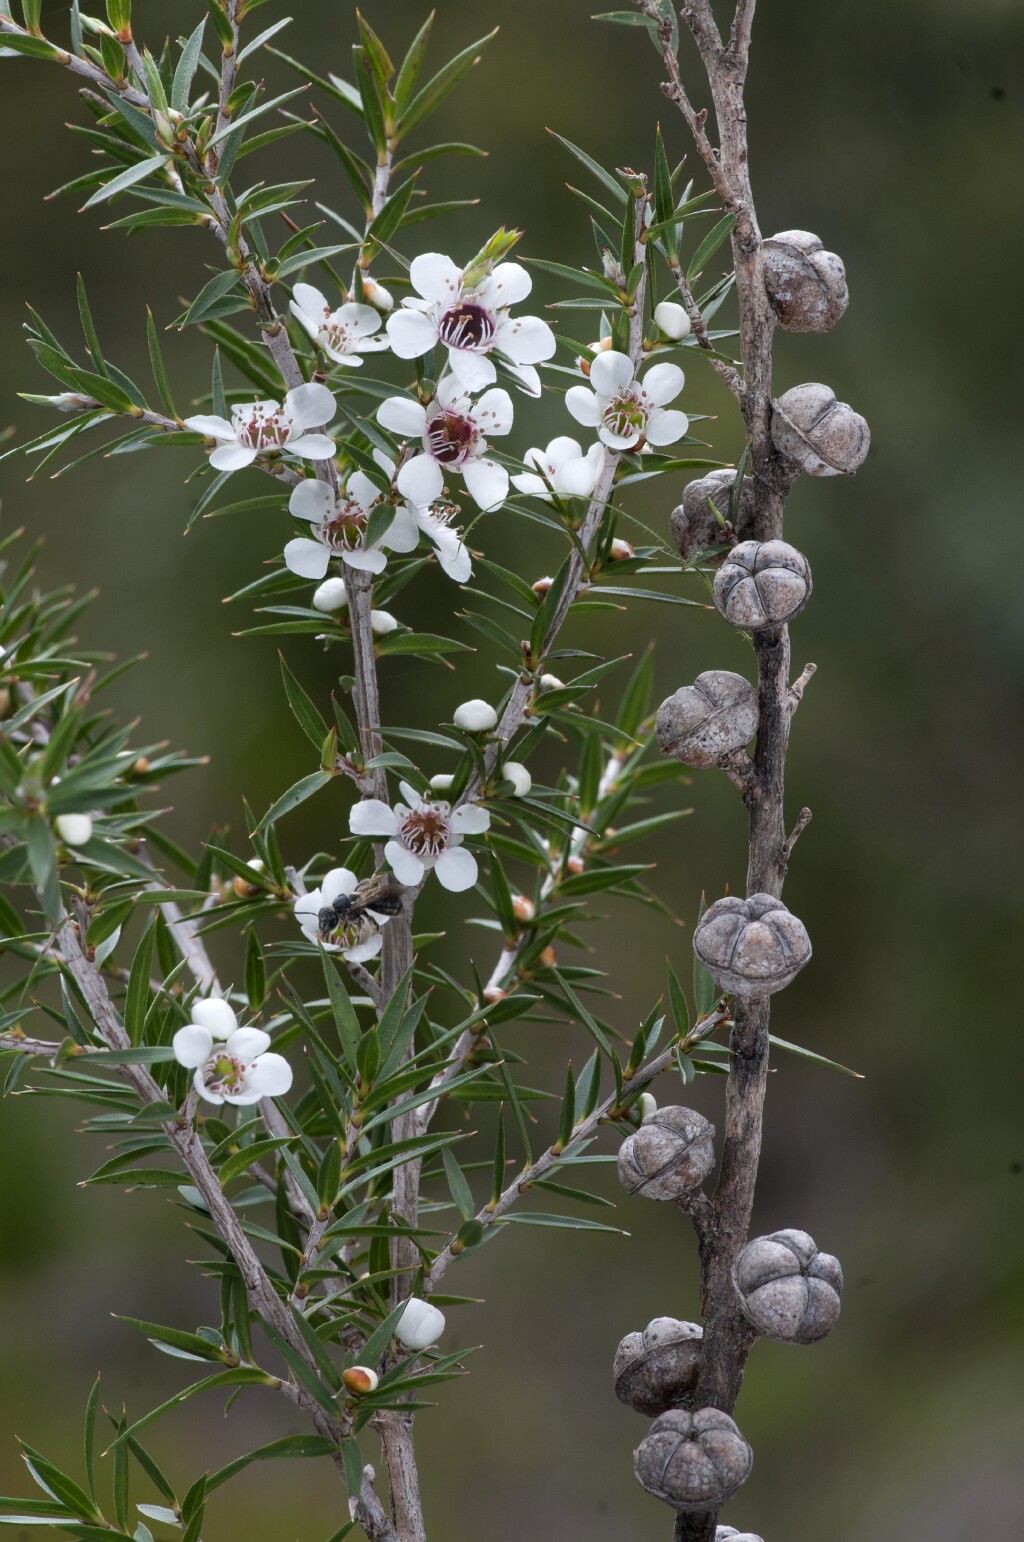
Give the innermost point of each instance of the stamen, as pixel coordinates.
(626, 415)
(425, 830)
(450, 437)
(466, 326)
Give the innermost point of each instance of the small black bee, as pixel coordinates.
(379, 894)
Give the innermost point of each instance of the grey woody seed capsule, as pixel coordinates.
(693, 1461)
(787, 1289)
(806, 284)
(657, 1369)
(702, 723)
(693, 526)
(669, 1155)
(752, 947)
(822, 436)
(762, 583)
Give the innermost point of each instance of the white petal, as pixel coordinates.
(473, 371)
(666, 427)
(582, 404)
(212, 427)
(529, 380)
(199, 1083)
(403, 417)
(309, 446)
(231, 457)
(486, 482)
(364, 950)
(310, 300)
(411, 333)
(310, 406)
(311, 499)
(247, 1043)
(403, 533)
(307, 559)
(452, 396)
(362, 318)
(362, 489)
(372, 561)
(371, 816)
(618, 442)
(611, 372)
(192, 1045)
(494, 412)
(436, 277)
(672, 319)
(270, 1077)
(216, 1016)
(577, 478)
(471, 819)
(559, 451)
(330, 596)
(506, 284)
(453, 556)
(663, 383)
(408, 869)
(420, 1324)
(526, 340)
(456, 869)
(531, 484)
(340, 880)
(421, 480)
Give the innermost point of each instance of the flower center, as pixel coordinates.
(450, 437)
(224, 1074)
(626, 415)
(259, 429)
(445, 513)
(346, 526)
(349, 934)
(425, 830)
(335, 334)
(466, 326)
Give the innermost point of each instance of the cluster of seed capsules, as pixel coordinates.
(694, 1457)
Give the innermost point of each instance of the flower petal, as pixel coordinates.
(403, 417)
(403, 533)
(618, 442)
(372, 561)
(611, 372)
(372, 816)
(473, 371)
(452, 554)
(582, 404)
(199, 1083)
(532, 485)
(663, 383)
(364, 950)
(506, 284)
(486, 482)
(407, 868)
(310, 300)
(411, 333)
(471, 819)
(435, 277)
(247, 1043)
(494, 412)
(421, 480)
(307, 559)
(212, 427)
(231, 457)
(310, 405)
(216, 1016)
(270, 1077)
(340, 880)
(362, 318)
(192, 1045)
(310, 446)
(456, 869)
(529, 380)
(311, 499)
(577, 478)
(525, 340)
(362, 489)
(559, 450)
(666, 427)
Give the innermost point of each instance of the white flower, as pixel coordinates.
(344, 334)
(562, 470)
(672, 320)
(339, 520)
(231, 1063)
(74, 829)
(355, 940)
(420, 1324)
(625, 411)
(471, 321)
(475, 716)
(516, 773)
(382, 622)
(423, 833)
(330, 596)
(452, 430)
(259, 428)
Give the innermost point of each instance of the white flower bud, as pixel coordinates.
(361, 1379)
(518, 775)
(74, 829)
(382, 622)
(672, 320)
(330, 595)
(420, 1324)
(375, 294)
(647, 1104)
(620, 550)
(215, 1015)
(442, 782)
(542, 585)
(475, 716)
(522, 908)
(550, 683)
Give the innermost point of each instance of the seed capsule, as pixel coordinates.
(669, 1155)
(693, 1461)
(705, 721)
(693, 527)
(822, 436)
(762, 583)
(787, 1289)
(806, 284)
(657, 1369)
(751, 947)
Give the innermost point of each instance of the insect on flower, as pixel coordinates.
(378, 896)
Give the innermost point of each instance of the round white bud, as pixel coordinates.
(518, 775)
(330, 595)
(672, 320)
(475, 717)
(376, 295)
(360, 1379)
(550, 683)
(74, 829)
(647, 1104)
(420, 1324)
(442, 782)
(215, 1015)
(382, 622)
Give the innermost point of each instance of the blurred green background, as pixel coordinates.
(894, 131)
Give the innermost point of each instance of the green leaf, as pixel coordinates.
(52, 1481)
(459, 1189)
(606, 178)
(136, 1002)
(412, 63)
(303, 789)
(88, 1437)
(709, 246)
(306, 714)
(255, 973)
(677, 1003)
(186, 69)
(436, 89)
(705, 991)
(287, 1447)
(596, 1032)
(126, 179)
(808, 1054)
(567, 1120)
(207, 299)
(157, 365)
(176, 1338)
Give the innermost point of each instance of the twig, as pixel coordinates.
(727, 372)
(796, 690)
(803, 821)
